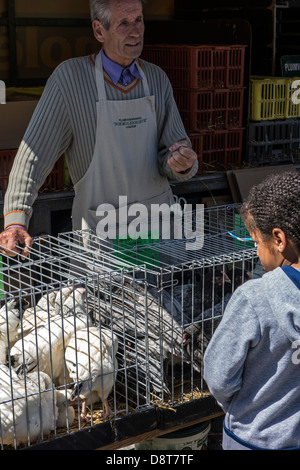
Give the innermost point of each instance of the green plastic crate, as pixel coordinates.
(241, 232)
(137, 251)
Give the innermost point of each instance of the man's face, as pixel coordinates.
(123, 41)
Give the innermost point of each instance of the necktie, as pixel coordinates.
(126, 76)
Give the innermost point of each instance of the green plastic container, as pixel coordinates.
(139, 251)
(241, 231)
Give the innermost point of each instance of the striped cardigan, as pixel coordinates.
(64, 121)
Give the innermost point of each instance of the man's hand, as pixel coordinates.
(15, 240)
(183, 156)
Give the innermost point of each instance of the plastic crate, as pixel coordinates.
(206, 110)
(53, 182)
(271, 98)
(274, 142)
(199, 67)
(222, 149)
(293, 107)
(197, 145)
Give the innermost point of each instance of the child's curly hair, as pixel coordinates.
(275, 203)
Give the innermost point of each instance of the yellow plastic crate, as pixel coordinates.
(32, 91)
(272, 98)
(293, 98)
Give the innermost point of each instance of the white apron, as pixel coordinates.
(124, 162)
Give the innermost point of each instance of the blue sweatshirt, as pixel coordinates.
(252, 363)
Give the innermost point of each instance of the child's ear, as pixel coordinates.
(98, 30)
(279, 238)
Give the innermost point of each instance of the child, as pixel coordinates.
(252, 363)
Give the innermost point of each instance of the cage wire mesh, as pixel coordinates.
(92, 329)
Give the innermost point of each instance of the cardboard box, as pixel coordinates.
(14, 119)
(241, 181)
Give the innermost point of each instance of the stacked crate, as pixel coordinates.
(274, 126)
(54, 181)
(208, 88)
(16, 115)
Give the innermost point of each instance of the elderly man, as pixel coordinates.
(114, 117)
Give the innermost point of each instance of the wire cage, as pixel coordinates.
(93, 330)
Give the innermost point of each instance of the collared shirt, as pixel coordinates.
(118, 73)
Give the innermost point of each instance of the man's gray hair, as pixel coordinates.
(100, 11)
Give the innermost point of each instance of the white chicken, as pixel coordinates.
(27, 413)
(66, 412)
(62, 295)
(44, 345)
(10, 318)
(2, 352)
(92, 364)
(47, 301)
(49, 305)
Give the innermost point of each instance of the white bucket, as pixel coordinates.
(191, 438)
